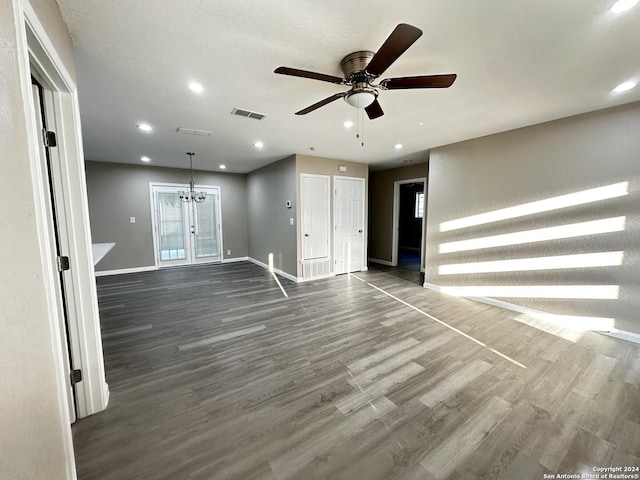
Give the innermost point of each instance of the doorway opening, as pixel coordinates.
(408, 224)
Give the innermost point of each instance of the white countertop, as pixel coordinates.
(100, 250)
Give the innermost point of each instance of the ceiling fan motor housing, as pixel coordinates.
(354, 67)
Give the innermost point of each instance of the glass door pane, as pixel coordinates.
(171, 227)
(205, 228)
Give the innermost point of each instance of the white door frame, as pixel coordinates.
(396, 220)
(179, 187)
(57, 236)
(36, 52)
(364, 219)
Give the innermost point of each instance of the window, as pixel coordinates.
(419, 210)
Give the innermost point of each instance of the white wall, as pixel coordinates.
(532, 164)
(32, 431)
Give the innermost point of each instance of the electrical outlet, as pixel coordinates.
(132, 219)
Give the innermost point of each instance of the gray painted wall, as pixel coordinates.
(536, 163)
(118, 191)
(31, 419)
(268, 189)
(381, 207)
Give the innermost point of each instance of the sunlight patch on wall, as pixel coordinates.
(594, 292)
(604, 259)
(607, 225)
(579, 323)
(549, 204)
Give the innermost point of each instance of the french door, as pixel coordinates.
(186, 233)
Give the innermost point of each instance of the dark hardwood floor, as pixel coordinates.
(214, 374)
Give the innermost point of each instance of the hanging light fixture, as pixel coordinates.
(192, 195)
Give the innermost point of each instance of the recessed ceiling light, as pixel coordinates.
(623, 5)
(145, 159)
(222, 167)
(398, 146)
(145, 127)
(196, 87)
(623, 87)
(348, 124)
(258, 145)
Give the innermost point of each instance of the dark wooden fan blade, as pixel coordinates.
(321, 103)
(305, 74)
(374, 110)
(424, 81)
(400, 39)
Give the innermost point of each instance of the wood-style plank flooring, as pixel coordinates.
(214, 374)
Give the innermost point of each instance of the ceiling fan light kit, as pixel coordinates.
(362, 68)
(361, 98)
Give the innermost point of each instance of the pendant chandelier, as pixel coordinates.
(192, 195)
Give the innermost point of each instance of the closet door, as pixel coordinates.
(314, 199)
(348, 217)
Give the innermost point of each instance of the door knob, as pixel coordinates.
(359, 231)
(306, 234)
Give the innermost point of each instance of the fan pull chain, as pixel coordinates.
(360, 126)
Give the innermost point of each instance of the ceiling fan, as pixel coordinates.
(363, 67)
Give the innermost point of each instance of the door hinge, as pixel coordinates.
(63, 263)
(49, 138)
(76, 376)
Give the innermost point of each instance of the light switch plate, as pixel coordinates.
(132, 219)
(291, 221)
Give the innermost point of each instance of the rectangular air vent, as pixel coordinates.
(247, 113)
(191, 131)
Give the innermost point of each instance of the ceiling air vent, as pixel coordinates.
(247, 113)
(191, 131)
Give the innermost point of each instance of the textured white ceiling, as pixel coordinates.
(518, 63)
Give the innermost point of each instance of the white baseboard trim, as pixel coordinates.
(539, 314)
(104, 273)
(107, 395)
(235, 259)
(381, 262)
(625, 335)
(286, 275)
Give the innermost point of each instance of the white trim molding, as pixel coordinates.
(124, 271)
(286, 275)
(37, 52)
(235, 259)
(381, 262)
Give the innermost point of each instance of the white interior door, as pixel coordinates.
(348, 214)
(315, 222)
(186, 232)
